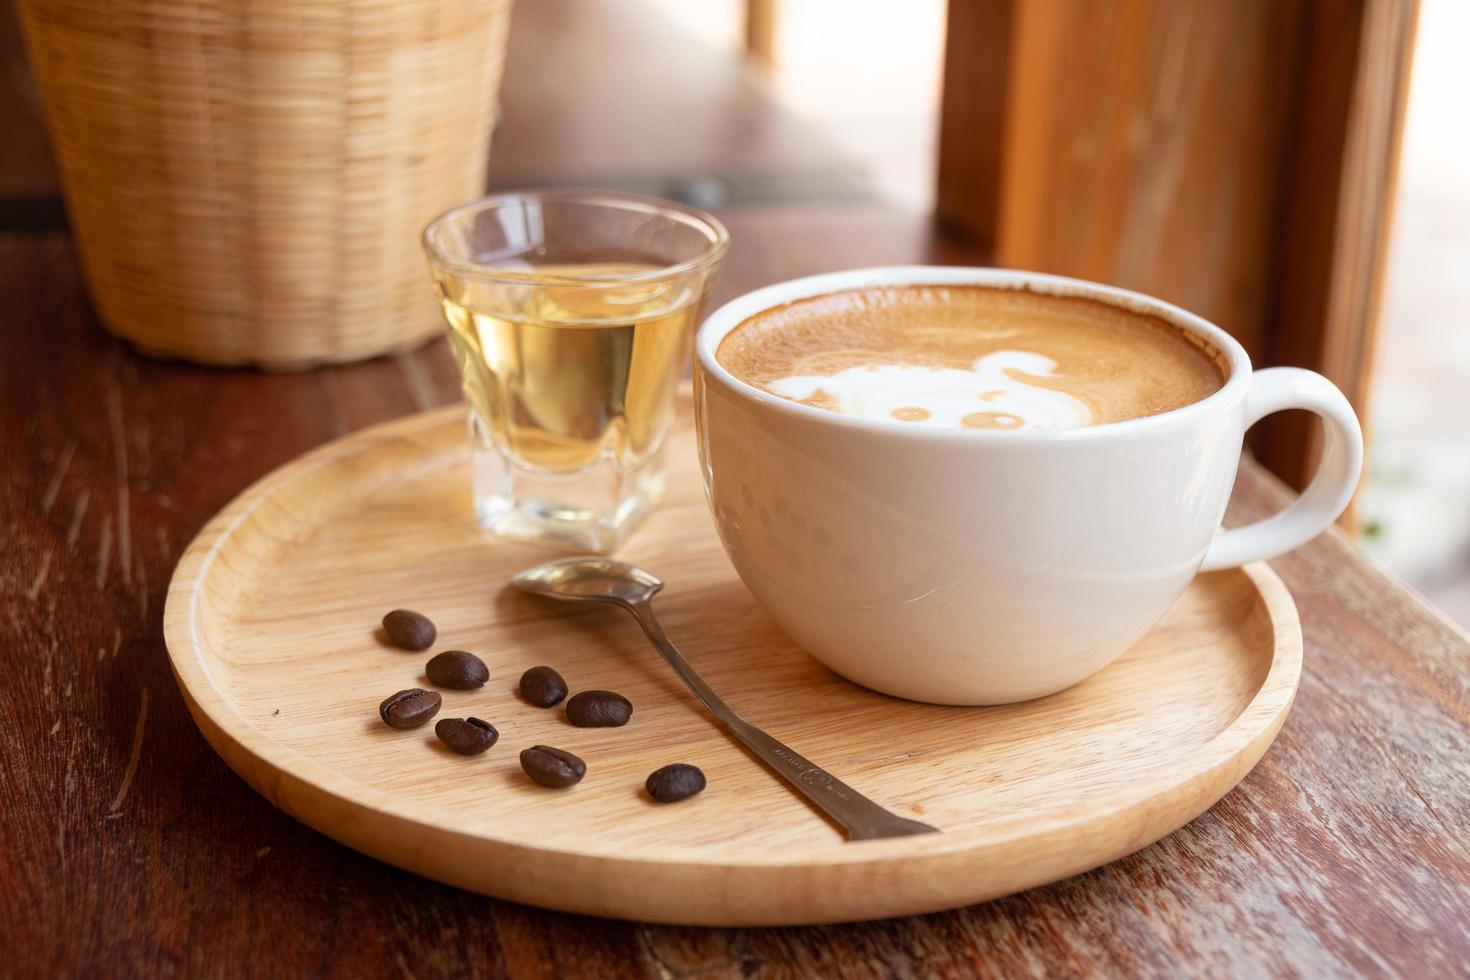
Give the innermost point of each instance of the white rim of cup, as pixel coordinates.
(737, 311)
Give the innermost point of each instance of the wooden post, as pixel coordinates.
(973, 116)
(1234, 158)
(1338, 217)
(760, 31)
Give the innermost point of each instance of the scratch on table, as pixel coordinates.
(104, 552)
(120, 460)
(334, 401)
(115, 810)
(78, 511)
(1369, 731)
(404, 967)
(143, 438)
(54, 288)
(66, 787)
(40, 580)
(55, 727)
(1317, 810)
(49, 498)
(142, 586)
(418, 381)
(645, 939)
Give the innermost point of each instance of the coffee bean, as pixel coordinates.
(457, 669)
(408, 630)
(467, 736)
(674, 783)
(543, 687)
(410, 708)
(552, 767)
(599, 709)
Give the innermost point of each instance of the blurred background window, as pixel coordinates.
(870, 79)
(1415, 502)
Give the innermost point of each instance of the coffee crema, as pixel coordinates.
(975, 357)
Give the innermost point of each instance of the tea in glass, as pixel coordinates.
(571, 316)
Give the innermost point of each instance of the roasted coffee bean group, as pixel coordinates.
(674, 783)
(556, 768)
(543, 687)
(410, 708)
(457, 670)
(467, 736)
(409, 630)
(599, 709)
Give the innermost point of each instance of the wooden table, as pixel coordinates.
(127, 847)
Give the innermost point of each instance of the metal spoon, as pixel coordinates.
(594, 579)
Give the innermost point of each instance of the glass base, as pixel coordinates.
(591, 510)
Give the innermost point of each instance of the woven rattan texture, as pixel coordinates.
(247, 179)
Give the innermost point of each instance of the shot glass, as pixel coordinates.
(571, 315)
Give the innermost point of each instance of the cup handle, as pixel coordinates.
(1333, 485)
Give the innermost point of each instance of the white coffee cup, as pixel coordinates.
(983, 567)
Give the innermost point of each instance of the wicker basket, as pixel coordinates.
(247, 179)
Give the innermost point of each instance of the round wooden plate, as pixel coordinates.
(273, 628)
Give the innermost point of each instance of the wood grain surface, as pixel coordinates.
(27, 167)
(270, 627)
(1236, 159)
(135, 849)
(1143, 139)
(128, 848)
(1336, 230)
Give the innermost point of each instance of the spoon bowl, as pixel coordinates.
(591, 578)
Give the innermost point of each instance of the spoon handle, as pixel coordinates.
(859, 816)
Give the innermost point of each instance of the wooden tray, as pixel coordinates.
(272, 624)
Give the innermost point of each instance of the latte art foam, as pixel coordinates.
(993, 393)
(974, 357)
